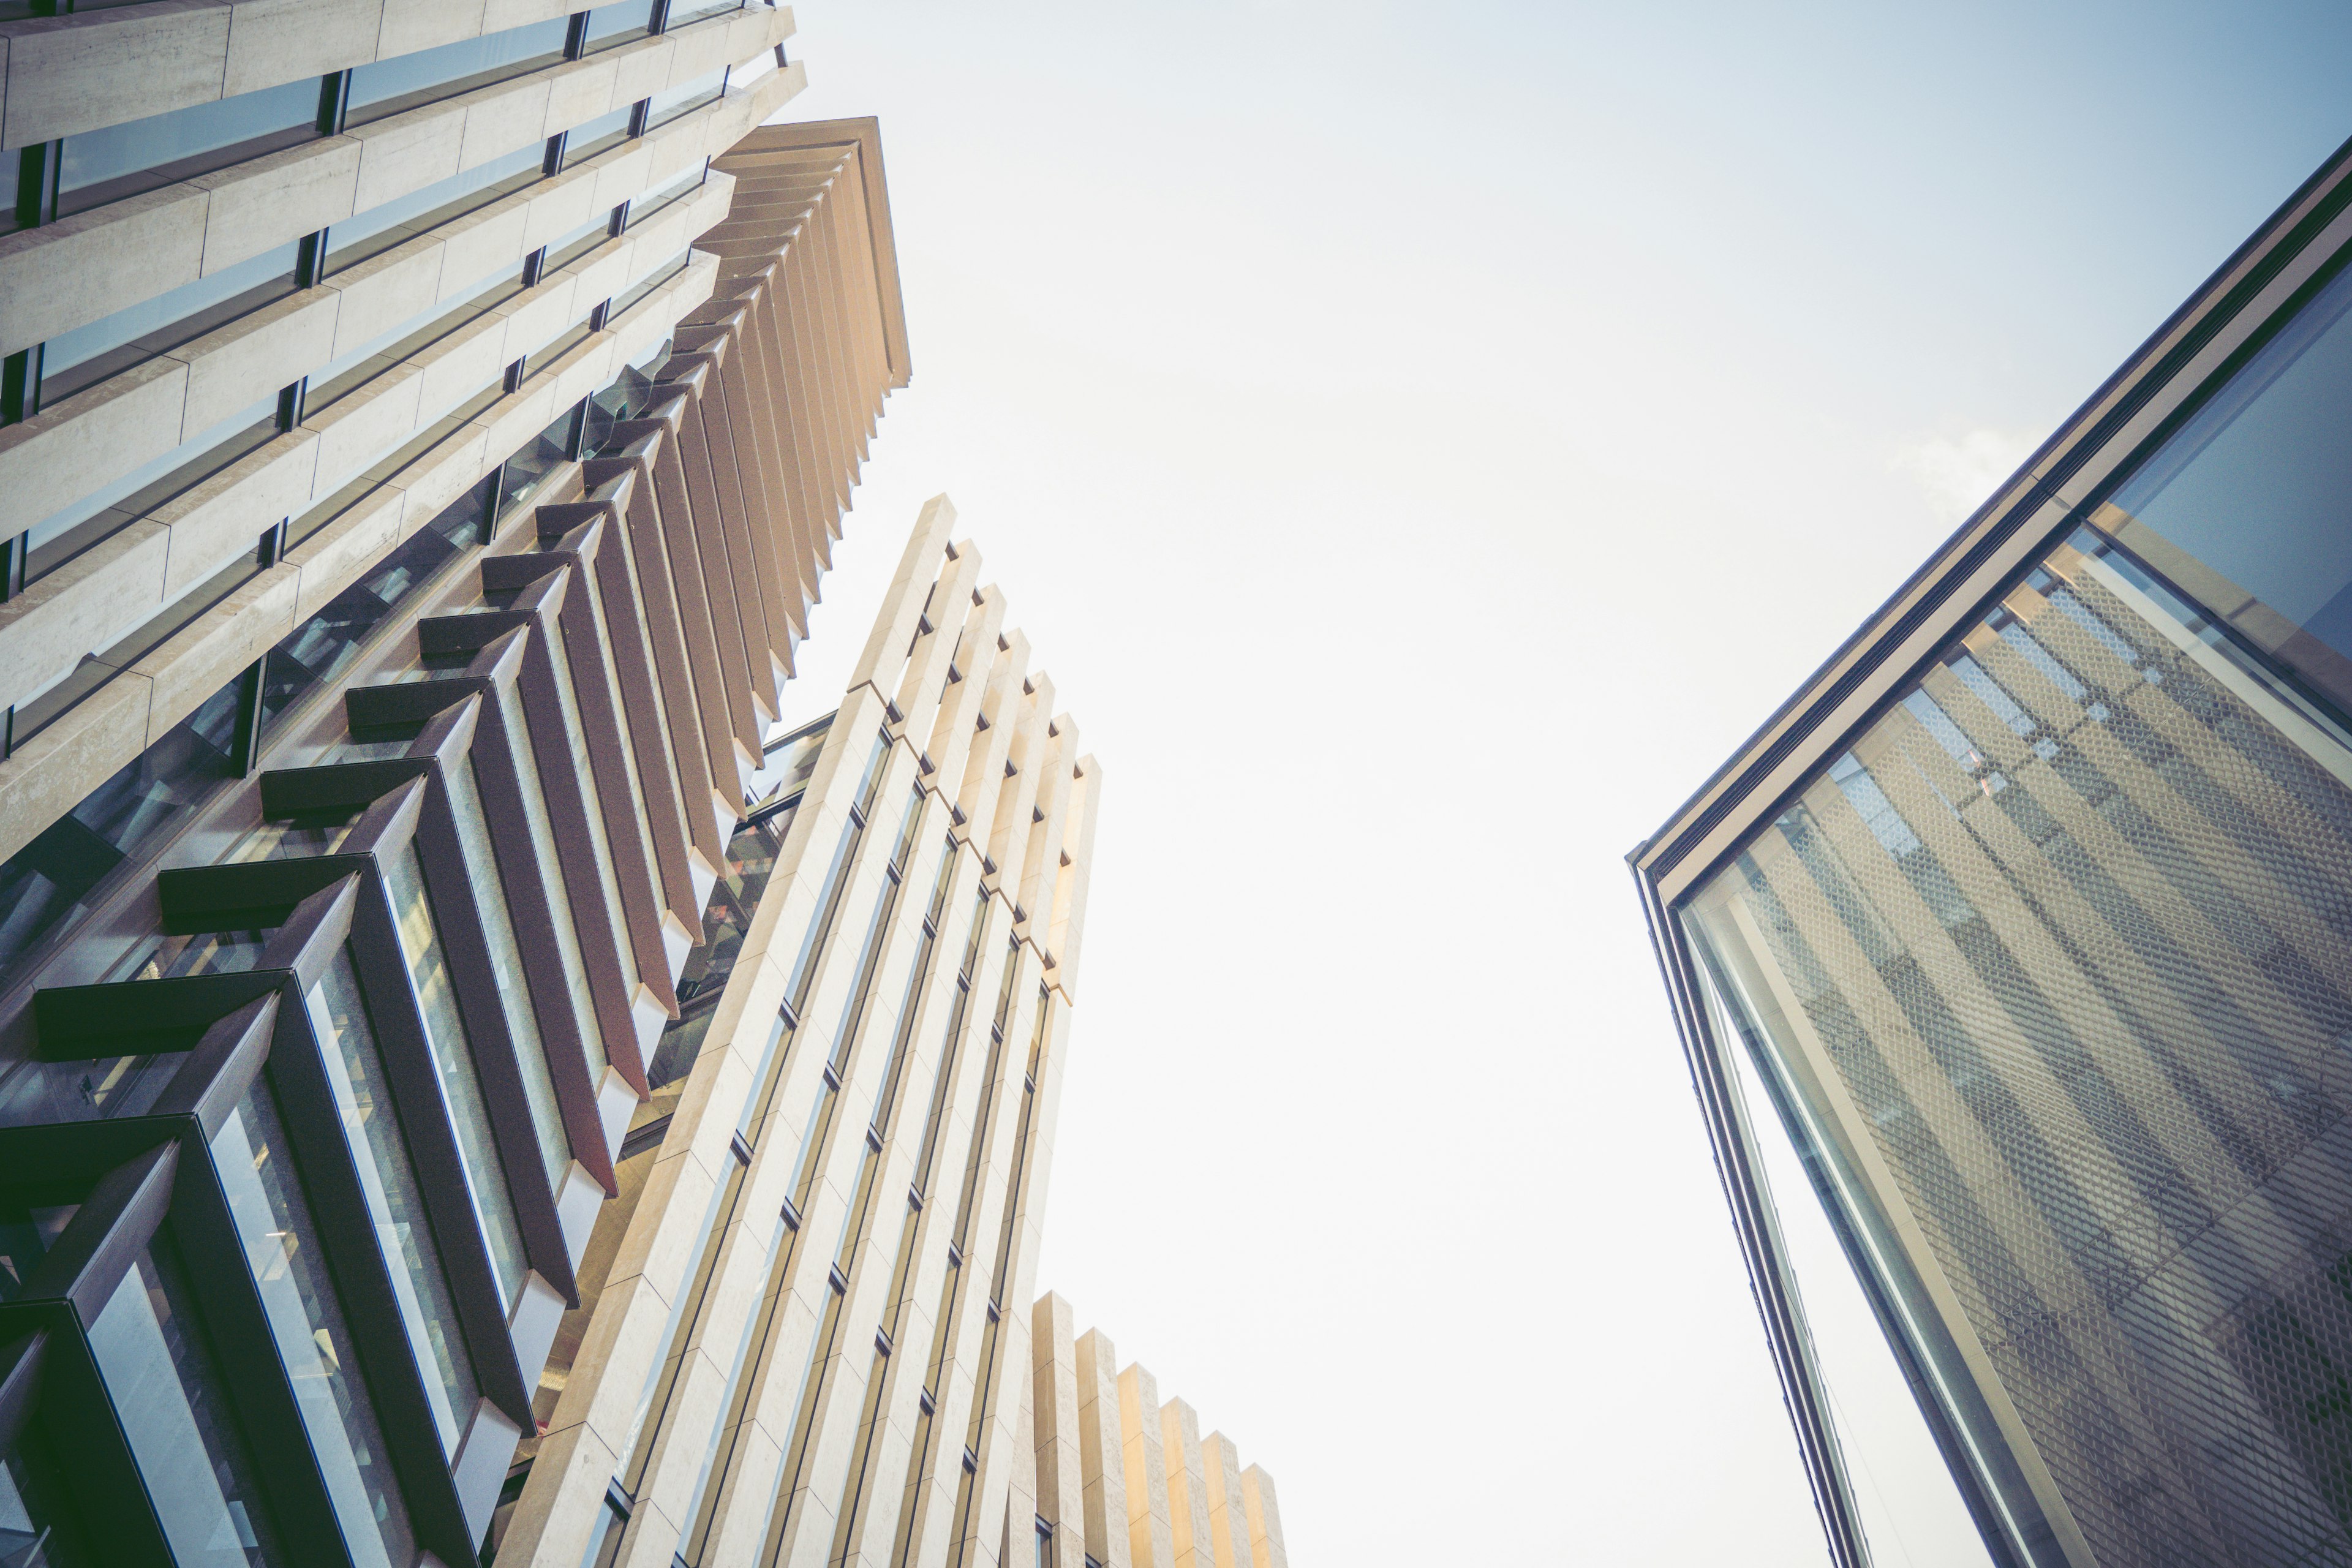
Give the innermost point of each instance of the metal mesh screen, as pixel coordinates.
(2064, 945)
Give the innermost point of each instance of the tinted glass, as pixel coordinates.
(2059, 956)
(86, 355)
(159, 1371)
(105, 164)
(428, 76)
(355, 1073)
(461, 1085)
(273, 1221)
(2247, 509)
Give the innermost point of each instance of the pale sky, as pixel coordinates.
(1421, 443)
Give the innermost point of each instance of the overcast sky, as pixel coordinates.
(1421, 443)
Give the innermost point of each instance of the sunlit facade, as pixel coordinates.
(2033, 915)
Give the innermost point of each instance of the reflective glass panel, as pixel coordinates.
(2058, 957)
(33, 1525)
(461, 1085)
(117, 161)
(383, 87)
(395, 1203)
(157, 1361)
(2247, 509)
(552, 866)
(273, 1220)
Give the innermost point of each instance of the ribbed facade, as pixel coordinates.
(800, 1337)
(2033, 918)
(1120, 1478)
(392, 641)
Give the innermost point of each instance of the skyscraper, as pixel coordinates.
(2030, 915)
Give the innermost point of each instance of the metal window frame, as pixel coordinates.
(2222, 325)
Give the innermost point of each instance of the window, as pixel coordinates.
(86, 355)
(119, 160)
(687, 96)
(1045, 1544)
(609, 27)
(386, 88)
(644, 285)
(583, 142)
(377, 230)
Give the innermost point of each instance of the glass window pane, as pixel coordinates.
(273, 1219)
(671, 102)
(387, 87)
(356, 1074)
(2057, 960)
(104, 165)
(611, 25)
(34, 1527)
(2245, 508)
(380, 228)
(86, 355)
(550, 861)
(506, 960)
(445, 1029)
(167, 1390)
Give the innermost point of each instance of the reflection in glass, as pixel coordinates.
(2248, 508)
(2059, 955)
(33, 1526)
(506, 962)
(395, 1205)
(273, 1220)
(461, 1085)
(159, 1372)
(118, 160)
(385, 88)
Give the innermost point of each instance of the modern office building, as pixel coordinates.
(800, 1335)
(1119, 1479)
(2029, 920)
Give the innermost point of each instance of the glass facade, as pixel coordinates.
(2049, 974)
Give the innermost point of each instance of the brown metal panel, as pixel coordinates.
(720, 570)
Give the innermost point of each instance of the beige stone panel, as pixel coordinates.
(1041, 856)
(924, 678)
(641, 70)
(538, 317)
(903, 600)
(214, 520)
(1102, 1464)
(1229, 1531)
(83, 268)
(699, 49)
(235, 366)
(275, 41)
(85, 605)
(983, 774)
(92, 438)
(603, 273)
(454, 465)
(580, 91)
(406, 151)
(558, 207)
(371, 419)
(563, 1502)
(624, 171)
(206, 655)
(1016, 796)
(509, 421)
(1066, 936)
(479, 243)
(334, 557)
(1265, 1520)
(276, 197)
(56, 769)
(1188, 1498)
(498, 16)
(385, 292)
(76, 73)
(1054, 1417)
(412, 25)
(960, 701)
(1150, 1542)
(460, 365)
(502, 117)
(673, 155)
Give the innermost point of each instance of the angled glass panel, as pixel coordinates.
(158, 1364)
(2055, 965)
(2248, 508)
(395, 1203)
(117, 161)
(461, 1084)
(388, 86)
(273, 1222)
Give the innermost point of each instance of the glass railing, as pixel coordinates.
(386, 88)
(56, 540)
(117, 161)
(684, 98)
(377, 230)
(75, 361)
